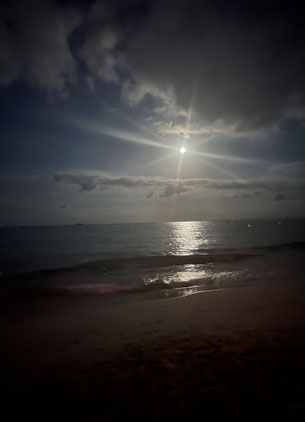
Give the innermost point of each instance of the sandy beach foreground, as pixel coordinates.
(237, 351)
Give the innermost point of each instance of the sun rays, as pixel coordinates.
(162, 143)
(231, 158)
(122, 135)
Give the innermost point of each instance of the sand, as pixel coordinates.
(232, 352)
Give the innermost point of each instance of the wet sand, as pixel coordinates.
(237, 351)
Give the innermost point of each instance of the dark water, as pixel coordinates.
(119, 257)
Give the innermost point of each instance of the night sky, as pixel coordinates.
(98, 97)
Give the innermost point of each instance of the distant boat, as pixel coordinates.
(78, 224)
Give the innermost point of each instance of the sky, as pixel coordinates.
(98, 97)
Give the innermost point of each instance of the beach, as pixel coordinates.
(235, 351)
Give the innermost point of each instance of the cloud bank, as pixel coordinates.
(167, 187)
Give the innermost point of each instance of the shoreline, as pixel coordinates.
(212, 350)
(157, 273)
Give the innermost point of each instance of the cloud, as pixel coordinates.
(213, 59)
(85, 182)
(220, 60)
(172, 189)
(169, 128)
(280, 197)
(167, 187)
(90, 182)
(291, 170)
(34, 44)
(98, 52)
(257, 194)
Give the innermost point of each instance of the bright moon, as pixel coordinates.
(182, 150)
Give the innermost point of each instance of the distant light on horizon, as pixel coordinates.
(182, 150)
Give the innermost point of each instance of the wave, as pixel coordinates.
(113, 276)
(280, 246)
(104, 266)
(150, 273)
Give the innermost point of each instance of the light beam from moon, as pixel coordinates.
(121, 135)
(225, 157)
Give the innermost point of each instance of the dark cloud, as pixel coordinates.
(256, 195)
(291, 170)
(34, 44)
(85, 182)
(169, 187)
(241, 62)
(280, 197)
(88, 182)
(172, 189)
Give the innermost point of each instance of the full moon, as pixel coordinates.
(182, 150)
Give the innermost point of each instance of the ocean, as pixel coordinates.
(177, 258)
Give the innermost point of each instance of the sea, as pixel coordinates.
(175, 258)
